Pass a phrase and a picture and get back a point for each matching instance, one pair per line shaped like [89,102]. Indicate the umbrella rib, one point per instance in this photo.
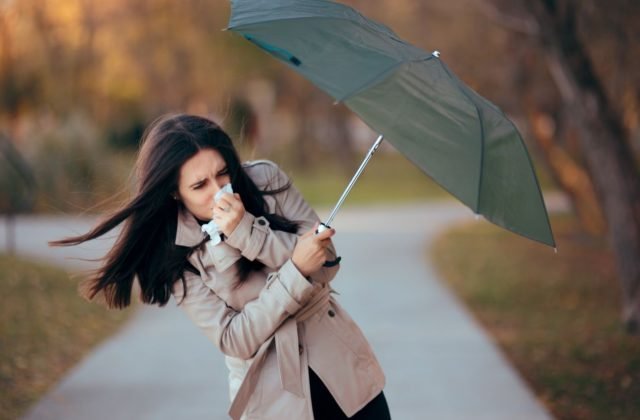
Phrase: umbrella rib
[482,136]
[374,80]
[379,78]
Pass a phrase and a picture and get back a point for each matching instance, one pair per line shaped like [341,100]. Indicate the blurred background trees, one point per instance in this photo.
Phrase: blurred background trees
[587,48]
[80,79]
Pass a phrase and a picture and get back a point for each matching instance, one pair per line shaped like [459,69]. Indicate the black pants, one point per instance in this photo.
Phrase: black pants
[326,408]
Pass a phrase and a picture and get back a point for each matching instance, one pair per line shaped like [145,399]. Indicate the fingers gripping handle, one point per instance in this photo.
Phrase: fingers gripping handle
[321,228]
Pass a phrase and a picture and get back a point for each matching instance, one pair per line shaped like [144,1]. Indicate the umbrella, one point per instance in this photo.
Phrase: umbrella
[411,98]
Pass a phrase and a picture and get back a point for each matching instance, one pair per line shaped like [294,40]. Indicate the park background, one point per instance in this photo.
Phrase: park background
[80,79]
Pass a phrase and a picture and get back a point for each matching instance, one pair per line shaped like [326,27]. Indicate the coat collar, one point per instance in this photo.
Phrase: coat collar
[188,232]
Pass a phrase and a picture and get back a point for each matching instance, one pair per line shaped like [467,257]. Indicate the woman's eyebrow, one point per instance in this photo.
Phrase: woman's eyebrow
[205,178]
[197,182]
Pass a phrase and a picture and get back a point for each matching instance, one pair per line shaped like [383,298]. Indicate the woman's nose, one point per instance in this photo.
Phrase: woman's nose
[216,186]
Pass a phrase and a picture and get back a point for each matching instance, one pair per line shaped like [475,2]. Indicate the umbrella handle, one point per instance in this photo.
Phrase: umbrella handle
[321,228]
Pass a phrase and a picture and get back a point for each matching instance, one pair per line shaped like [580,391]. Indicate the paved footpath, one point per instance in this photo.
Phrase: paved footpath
[438,361]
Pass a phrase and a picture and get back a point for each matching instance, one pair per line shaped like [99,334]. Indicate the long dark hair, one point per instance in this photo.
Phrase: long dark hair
[146,245]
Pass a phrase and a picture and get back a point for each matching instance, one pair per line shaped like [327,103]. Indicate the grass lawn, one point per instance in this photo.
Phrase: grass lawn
[388,178]
[556,316]
[45,328]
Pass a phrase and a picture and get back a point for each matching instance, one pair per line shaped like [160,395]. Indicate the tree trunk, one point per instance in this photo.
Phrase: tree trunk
[10,233]
[608,157]
[569,175]
[552,134]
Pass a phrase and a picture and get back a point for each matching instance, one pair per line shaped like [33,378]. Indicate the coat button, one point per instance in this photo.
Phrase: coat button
[300,349]
[331,313]
[261,222]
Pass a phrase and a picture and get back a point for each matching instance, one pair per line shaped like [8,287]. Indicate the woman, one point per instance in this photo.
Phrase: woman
[261,293]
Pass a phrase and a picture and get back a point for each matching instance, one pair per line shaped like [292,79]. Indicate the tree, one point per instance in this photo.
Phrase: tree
[17,185]
[584,85]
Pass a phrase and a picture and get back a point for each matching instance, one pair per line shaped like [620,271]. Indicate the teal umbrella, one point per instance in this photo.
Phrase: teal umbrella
[410,97]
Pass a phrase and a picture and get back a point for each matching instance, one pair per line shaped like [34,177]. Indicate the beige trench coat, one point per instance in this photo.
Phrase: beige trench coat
[277,324]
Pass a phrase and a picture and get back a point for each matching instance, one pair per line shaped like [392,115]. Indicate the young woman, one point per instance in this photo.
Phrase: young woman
[258,288]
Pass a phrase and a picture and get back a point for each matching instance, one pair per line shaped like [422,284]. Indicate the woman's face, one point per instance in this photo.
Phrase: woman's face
[201,177]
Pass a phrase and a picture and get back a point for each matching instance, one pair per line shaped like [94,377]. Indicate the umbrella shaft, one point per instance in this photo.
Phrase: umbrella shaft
[354,179]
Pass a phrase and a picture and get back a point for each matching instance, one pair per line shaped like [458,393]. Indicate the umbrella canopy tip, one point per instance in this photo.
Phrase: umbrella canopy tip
[436,53]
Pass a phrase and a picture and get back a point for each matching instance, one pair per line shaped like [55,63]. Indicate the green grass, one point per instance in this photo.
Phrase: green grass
[388,178]
[45,328]
[557,316]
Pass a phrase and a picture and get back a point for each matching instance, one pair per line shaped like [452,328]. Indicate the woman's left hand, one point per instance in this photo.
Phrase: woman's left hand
[227,212]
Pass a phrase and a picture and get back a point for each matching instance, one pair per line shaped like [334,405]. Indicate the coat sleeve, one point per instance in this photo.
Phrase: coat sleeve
[257,241]
[239,333]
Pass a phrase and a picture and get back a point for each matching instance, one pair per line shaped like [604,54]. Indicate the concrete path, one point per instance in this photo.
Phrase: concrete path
[438,361]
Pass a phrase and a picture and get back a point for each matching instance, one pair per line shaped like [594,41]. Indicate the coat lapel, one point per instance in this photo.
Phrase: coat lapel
[188,232]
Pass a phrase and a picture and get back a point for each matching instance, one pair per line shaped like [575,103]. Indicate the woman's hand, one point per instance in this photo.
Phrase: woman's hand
[310,252]
[227,212]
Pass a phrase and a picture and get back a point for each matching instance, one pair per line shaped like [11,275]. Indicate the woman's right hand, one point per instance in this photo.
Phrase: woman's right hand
[310,252]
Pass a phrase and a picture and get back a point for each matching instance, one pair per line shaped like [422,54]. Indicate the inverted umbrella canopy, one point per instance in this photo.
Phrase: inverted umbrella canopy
[457,137]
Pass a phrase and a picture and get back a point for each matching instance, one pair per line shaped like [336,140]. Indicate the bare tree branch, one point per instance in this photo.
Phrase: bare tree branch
[526,26]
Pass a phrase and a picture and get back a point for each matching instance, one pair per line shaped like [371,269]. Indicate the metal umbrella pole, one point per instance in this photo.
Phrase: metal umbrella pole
[326,225]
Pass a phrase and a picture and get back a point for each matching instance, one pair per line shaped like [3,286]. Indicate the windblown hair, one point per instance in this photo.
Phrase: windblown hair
[146,247]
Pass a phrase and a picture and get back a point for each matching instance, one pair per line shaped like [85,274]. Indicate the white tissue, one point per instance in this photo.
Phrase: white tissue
[212,227]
